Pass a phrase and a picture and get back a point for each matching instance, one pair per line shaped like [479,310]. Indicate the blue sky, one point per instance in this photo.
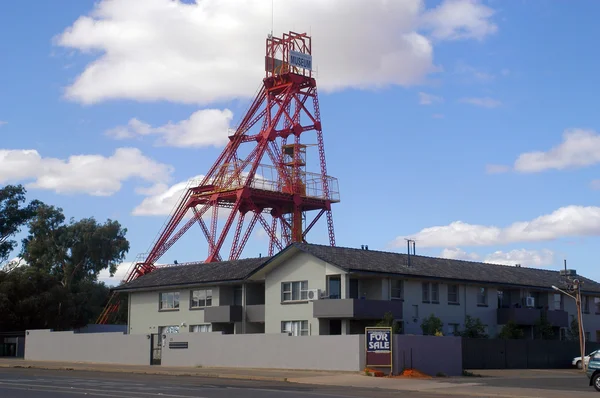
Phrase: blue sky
[467,125]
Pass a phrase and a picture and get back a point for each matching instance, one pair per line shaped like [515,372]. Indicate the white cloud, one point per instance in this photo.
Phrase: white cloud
[460,19]
[203,128]
[458,254]
[496,168]
[120,274]
[595,184]
[213,50]
[162,199]
[428,99]
[517,256]
[569,221]
[484,102]
[464,69]
[2,123]
[579,148]
[91,174]
[526,258]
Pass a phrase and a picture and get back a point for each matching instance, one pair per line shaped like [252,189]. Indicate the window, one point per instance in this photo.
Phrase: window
[334,289]
[453,329]
[169,301]
[201,298]
[168,329]
[482,298]
[597,304]
[435,292]
[558,301]
[294,291]
[453,294]
[433,289]
[425,292]
[586,304]
[296,328]
[501,299]
[207,328]
[353,288]
[397,289]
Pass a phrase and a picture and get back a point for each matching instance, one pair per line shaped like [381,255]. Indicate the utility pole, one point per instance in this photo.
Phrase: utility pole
[573,287]
[577,286]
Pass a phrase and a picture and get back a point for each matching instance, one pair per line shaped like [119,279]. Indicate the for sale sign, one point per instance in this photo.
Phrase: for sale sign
[378,346]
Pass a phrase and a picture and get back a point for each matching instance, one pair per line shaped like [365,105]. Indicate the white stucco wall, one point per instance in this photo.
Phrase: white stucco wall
[117,348]
[299,267]
[145,316]
[340,353]
[448,313]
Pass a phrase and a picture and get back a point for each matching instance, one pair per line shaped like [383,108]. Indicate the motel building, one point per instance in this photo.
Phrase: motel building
[309,289]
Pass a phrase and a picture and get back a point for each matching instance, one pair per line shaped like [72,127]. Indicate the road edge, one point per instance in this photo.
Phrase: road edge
[146,372]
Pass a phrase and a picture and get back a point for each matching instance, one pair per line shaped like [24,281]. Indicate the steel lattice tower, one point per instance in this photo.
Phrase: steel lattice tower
[268,183]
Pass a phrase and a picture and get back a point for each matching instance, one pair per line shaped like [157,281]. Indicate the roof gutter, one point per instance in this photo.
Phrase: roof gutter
[177,285]
[466,281]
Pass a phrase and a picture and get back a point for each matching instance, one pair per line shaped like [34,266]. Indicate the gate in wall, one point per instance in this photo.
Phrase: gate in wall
[155,349]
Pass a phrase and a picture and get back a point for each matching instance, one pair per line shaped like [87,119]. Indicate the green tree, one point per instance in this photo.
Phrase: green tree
[76,251]
[432,325]
[58,287]
[511,331]
[474,328]
[387,321]
[13,215]
[543,329]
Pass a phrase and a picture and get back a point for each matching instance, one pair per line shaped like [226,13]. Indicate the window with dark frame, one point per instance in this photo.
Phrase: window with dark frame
[201,298]
[453,294]
[169,301]
[425,287]
[397,289]
[431,292]
[482,296]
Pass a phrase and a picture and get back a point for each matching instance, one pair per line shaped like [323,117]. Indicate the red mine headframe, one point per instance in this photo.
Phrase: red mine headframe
[268,179]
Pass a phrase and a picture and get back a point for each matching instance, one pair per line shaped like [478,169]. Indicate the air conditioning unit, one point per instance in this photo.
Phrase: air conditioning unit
[530,301]
[314,294]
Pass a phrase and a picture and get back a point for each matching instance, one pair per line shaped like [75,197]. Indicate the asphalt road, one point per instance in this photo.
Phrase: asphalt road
[33,383]
[559,379]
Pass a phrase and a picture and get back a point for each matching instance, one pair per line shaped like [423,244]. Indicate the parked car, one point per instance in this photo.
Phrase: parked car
[577,360]
[593,370]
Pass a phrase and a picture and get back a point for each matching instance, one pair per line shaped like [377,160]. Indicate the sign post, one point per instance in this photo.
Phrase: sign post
[378,347]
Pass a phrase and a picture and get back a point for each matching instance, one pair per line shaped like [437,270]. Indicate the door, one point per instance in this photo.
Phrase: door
[155,349]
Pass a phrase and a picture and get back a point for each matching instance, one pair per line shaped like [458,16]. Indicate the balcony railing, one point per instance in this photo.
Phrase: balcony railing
[223,314]
[268,178]
[529,316]
[356,308]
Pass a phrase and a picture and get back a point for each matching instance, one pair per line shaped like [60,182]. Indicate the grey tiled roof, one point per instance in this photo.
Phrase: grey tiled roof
[360,260]
[196,273]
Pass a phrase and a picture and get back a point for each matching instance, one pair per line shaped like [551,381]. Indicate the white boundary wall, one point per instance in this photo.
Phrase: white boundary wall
[118,348]
[268,351]
[274,351]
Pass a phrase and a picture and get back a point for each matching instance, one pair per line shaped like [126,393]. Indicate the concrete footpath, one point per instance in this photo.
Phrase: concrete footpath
[456,386]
